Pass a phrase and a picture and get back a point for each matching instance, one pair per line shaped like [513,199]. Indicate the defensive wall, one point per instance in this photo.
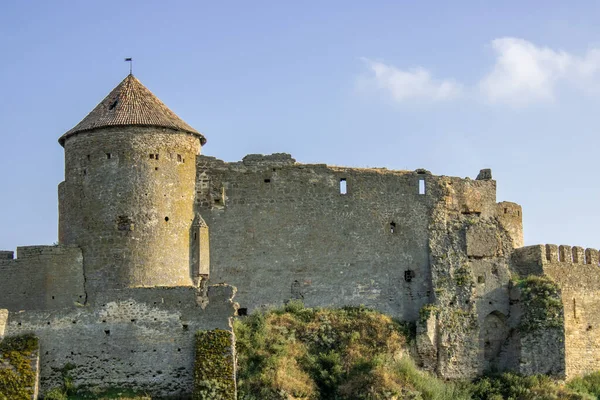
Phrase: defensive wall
[140,339]
[41,277]
[577,272]
[330,236]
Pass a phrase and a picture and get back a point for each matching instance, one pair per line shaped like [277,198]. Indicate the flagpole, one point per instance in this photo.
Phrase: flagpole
[130,60]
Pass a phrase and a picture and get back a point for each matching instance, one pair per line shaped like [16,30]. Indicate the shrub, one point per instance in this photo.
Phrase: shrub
[542,305]
[214,369]
[17,377]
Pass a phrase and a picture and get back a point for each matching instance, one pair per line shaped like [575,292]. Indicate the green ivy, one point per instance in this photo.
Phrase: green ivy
[426,311]
[17,377]
[542,305]
[214,369]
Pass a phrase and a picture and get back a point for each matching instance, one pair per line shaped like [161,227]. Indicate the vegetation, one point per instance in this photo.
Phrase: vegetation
[348,353]
[298,353]
[541,303]
[214,370]
[17,377]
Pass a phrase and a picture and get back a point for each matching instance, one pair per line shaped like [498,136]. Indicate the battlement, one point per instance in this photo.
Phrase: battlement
[543,254]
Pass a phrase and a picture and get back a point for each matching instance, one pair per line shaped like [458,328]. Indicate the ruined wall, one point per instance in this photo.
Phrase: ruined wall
[141,339]
[42,277]
[280,231]
[577,273]
[127,201]
[469,252]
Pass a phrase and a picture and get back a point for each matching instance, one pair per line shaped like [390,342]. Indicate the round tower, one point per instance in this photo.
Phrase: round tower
[128,195]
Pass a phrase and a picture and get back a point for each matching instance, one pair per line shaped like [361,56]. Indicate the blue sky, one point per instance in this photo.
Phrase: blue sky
[452,87]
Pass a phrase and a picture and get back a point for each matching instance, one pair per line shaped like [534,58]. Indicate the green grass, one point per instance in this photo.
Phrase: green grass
[348,353]
[298,353]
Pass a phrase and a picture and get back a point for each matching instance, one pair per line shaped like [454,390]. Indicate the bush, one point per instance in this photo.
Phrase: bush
[214,370]
[542,304]
[17,380]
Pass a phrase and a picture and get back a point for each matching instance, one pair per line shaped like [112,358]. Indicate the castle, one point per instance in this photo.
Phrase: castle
[155,240]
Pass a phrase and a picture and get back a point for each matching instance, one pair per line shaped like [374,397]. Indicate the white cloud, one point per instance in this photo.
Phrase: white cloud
[413,84]
[522,74]
[525,73]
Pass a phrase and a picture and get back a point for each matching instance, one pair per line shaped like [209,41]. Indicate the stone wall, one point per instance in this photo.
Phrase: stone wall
[469,251]
[128,202]
[281,230]
[42,277]
[577,272]
[139,339]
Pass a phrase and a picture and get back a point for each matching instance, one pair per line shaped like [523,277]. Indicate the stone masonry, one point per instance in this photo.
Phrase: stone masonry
[154,239]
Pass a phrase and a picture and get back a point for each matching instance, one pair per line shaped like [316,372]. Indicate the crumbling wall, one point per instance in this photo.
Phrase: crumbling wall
[576,271]
[281,230]
[469,249]
[138,339]
[42,277]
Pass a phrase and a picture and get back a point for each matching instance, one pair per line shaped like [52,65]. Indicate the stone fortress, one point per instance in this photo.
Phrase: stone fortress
[155,240]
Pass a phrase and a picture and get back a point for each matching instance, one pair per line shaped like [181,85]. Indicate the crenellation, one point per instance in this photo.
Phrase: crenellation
[578,255]
[592,257]
[552,253]
[7,255]
[565,253]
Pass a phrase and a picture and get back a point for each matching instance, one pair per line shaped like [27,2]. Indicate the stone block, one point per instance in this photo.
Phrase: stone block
[3,322]
[578,255]
[591,256]
[482,241]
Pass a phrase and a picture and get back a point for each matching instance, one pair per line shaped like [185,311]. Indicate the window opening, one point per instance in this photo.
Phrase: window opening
[179,159]
[267,180]
[392,227]
[421,186]
[409,275]
[108,155]
[343,186]
[241,312]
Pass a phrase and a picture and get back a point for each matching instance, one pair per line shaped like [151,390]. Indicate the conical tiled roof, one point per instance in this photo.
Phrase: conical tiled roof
[131,103]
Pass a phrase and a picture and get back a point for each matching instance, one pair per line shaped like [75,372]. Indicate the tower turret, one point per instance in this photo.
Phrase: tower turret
[128,195]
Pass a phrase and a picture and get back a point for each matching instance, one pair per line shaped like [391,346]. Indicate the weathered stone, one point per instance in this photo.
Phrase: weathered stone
[482,241]
[3,320]
[484,174]
[146,224]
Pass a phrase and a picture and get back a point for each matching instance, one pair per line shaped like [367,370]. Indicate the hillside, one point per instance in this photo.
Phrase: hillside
[354,353]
